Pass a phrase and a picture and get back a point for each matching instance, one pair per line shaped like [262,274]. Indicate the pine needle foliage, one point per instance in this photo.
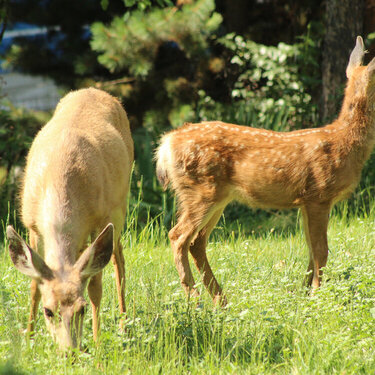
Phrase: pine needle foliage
[132,42]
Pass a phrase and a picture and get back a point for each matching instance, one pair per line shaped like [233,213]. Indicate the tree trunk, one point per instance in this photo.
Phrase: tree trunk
[4,7]
[236,15]
[344,21]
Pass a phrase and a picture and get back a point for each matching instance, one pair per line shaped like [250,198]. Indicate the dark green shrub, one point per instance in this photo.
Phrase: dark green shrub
[18,128]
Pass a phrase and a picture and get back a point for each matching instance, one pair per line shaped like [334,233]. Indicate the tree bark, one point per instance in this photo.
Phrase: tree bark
[344,21]
[4,6]
[236,15]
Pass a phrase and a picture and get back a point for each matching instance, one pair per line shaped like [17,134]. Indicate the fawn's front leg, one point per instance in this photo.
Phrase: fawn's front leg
[315,218]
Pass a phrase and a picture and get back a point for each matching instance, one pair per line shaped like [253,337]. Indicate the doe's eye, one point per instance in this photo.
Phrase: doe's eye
[48,313]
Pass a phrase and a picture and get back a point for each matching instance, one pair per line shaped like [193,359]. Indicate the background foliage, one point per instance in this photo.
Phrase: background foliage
[171,62]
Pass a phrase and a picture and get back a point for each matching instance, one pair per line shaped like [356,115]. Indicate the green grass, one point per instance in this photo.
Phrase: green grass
[271,325]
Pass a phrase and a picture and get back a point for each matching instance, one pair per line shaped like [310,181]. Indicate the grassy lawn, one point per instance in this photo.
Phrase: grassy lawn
[271,325]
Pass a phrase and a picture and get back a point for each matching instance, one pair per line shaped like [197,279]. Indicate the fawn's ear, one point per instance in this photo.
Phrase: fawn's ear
[25,259]
[356,56]
[97,255]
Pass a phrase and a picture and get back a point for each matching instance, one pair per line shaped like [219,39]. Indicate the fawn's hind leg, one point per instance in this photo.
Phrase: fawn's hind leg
[198,252]
[193,218]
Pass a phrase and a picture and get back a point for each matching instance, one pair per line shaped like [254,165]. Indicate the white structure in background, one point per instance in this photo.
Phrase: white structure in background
[31,92]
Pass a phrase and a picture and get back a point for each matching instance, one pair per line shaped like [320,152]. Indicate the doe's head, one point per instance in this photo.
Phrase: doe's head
[62,291]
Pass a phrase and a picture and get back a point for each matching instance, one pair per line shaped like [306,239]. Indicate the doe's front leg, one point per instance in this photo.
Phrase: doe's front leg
[35,299]
[95,291]
[35,294]
[119,265]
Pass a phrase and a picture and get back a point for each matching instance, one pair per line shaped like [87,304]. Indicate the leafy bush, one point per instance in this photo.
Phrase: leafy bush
[272,79]
[18,128]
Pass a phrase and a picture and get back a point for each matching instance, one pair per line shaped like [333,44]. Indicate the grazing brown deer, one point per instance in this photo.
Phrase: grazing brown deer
[212,163]
[75,184]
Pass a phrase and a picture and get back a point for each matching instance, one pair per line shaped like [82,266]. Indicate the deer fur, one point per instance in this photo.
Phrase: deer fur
[213,163]
[75,184]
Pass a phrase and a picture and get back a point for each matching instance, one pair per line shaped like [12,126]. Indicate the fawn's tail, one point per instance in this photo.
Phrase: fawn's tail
[164,161]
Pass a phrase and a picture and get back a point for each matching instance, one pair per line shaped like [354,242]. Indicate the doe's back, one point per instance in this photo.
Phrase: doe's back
[79,164]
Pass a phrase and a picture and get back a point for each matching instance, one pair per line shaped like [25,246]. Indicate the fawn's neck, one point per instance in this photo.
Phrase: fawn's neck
[355,128]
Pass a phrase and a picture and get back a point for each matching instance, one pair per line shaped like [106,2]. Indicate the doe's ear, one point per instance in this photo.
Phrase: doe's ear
[356,57]
[25,259]
[97,255]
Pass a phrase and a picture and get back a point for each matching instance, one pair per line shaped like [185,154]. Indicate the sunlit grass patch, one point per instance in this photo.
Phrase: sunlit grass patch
[271,325]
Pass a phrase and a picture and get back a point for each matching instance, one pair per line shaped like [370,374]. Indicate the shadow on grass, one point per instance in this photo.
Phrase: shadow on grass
[242,220]
[196,334]
[9,369]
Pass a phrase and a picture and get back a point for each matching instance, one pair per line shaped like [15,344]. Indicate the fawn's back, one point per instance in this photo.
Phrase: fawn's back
[262,168]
